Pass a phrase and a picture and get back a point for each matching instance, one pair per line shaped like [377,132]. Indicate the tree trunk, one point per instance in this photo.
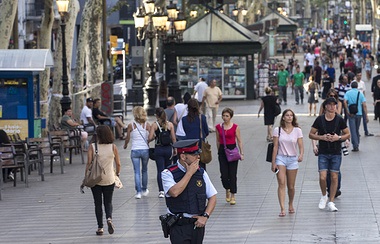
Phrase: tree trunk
[94,61]
[82,49]
[8,10]
[45,43]
[55,109]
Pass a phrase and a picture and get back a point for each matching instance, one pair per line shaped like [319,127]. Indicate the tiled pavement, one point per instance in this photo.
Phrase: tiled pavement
[54,211]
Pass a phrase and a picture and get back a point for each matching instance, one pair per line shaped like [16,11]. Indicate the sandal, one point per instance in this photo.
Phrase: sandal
[100,232]
[282,214]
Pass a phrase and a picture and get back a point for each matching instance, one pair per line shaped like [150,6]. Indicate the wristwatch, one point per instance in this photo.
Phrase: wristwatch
[340,138]
[206,215]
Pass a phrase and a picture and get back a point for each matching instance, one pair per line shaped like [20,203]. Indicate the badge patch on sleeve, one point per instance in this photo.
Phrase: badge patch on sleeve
[199,183]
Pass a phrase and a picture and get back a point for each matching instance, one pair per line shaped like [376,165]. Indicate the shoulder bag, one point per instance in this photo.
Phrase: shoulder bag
[206,155]
[231,154]
[94,173]
[270,148]
[353,108]
[277,109]
[151,149]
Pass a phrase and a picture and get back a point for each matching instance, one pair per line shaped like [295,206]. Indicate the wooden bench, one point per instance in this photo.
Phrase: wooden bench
[70,139]
[13,161]
[43,146]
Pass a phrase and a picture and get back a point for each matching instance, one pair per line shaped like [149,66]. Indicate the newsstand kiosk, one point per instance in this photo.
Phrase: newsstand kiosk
[20,90]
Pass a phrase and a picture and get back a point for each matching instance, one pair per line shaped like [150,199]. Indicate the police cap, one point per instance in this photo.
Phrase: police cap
[189,146]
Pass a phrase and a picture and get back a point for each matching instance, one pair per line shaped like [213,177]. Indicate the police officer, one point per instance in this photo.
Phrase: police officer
[187,187]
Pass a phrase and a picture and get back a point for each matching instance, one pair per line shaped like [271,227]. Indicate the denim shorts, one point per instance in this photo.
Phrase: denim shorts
[329,162]
[290,162]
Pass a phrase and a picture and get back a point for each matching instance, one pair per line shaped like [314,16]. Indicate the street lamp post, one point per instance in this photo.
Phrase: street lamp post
[146,23]
[65,100]
[153,23]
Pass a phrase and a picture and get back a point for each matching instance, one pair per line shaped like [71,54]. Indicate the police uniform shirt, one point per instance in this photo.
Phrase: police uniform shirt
[168,182]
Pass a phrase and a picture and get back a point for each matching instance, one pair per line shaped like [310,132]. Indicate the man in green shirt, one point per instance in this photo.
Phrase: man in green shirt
[298,78]
[283,78]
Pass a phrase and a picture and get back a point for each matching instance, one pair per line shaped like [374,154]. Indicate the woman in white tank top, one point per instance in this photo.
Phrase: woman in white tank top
[137,132]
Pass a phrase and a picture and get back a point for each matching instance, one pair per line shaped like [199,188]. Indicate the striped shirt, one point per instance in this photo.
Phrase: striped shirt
[341,90]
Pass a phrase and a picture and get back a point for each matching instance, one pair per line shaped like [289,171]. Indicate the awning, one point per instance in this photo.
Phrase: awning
[25,59]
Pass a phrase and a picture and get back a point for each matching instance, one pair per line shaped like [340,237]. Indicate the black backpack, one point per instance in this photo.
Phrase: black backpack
[164,138]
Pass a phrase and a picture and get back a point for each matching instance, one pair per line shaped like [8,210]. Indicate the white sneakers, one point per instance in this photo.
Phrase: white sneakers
[161,194]
[330,205]
[322,202]
[138,195]
[145,193]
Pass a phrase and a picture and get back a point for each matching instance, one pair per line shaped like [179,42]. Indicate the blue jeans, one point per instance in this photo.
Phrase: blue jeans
[354,123]
[282,93]
[143,156]
[299,93]
[329,162]
[365,123]
[163,155]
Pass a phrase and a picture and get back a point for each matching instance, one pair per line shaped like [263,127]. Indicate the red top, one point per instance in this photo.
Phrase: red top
[230,134]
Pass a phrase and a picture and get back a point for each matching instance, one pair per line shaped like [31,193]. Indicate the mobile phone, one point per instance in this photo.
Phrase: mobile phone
[276,170]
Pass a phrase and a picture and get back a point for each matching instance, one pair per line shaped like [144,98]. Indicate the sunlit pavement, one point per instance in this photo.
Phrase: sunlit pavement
[54,211]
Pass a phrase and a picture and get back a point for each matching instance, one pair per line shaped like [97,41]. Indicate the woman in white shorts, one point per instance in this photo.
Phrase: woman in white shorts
[285,160]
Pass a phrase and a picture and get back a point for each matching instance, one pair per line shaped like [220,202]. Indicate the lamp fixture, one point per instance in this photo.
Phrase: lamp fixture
[63,6]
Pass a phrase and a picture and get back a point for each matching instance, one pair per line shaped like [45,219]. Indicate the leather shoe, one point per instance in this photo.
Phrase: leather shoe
[355,149]
[369,134]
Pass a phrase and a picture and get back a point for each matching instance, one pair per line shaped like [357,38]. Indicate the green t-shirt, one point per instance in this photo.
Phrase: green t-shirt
[298,79]
[282,77]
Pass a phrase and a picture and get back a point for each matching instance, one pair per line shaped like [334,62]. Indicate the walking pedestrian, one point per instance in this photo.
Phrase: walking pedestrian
[352,97]
[286,138]
[180,112]
[268,103]
[313,88]
[330,130]
[199,88]
[138,132]
[362,89]
[283,79]
[107,154]
[212,97]
[298,78]
[194,124]
[228,170]
[162,131]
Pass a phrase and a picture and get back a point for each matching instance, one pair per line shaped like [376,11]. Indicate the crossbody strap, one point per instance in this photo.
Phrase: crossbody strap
[96,144]
[141,134]
[183,112]
[224,137]
[357,98]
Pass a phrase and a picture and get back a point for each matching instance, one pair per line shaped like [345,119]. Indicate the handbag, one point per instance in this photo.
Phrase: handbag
[277,109]
[206,155]
[316,96]
[353,108]
[152,156]
[270,148]
[94,173]
[151,149]
[231,154]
